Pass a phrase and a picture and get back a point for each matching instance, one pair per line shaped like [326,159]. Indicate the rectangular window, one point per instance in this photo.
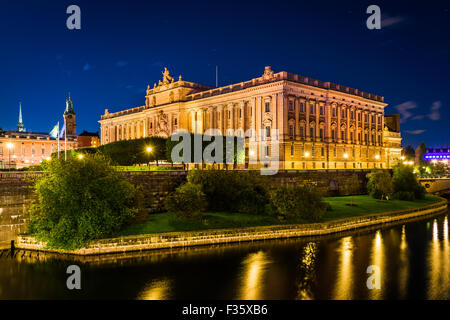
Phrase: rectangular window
[266,151]
[333,112]
[292,165]
[291,105]
[302,107]
[240,113]
[343,135]
[359,116]
[351,136]
[321,110]
[343,113]
[313,151]
[267,131]
[334,152]
[311,132]
[321,133]
[267,106]
[302,133]
[322,151]
[311,109]
[292,149]
[291,131]
[333,135]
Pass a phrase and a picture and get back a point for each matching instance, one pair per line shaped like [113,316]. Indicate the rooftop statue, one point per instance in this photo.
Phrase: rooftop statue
[166,77]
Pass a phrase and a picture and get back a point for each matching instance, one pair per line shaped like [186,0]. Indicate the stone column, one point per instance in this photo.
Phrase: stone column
[297,117]
[307,136]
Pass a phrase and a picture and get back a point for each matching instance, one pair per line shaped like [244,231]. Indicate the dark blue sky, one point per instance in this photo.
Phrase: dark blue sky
[123,46]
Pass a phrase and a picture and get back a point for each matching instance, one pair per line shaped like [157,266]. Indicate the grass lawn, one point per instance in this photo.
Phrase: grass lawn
[167,222]
[366,204]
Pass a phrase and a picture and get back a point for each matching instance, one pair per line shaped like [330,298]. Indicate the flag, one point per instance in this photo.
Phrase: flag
[62,133]
[54,132]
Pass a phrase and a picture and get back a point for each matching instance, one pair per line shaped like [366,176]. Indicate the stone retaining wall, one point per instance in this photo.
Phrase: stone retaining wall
[208,237]
[15,199]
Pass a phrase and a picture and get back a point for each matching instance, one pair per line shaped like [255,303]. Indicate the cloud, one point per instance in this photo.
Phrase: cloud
[419,131]
[419,117]
[87,67]
[387,21]
[121,64]
[434,111]
[403,110]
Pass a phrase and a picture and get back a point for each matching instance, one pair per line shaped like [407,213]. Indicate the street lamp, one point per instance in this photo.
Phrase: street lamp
[377,156]
[345,155]
[10,146]
[80,156]
[306,154]
[149,151]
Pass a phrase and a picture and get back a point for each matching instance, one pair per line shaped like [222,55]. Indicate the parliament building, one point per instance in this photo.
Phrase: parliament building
[320,125]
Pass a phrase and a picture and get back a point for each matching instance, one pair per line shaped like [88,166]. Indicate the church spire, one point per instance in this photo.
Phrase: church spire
[69,106]
[20,124]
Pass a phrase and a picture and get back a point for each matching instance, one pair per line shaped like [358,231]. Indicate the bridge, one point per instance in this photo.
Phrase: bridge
[439,186]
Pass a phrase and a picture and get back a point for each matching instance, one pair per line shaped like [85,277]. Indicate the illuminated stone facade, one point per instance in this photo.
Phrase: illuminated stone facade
[321,125]
[19,148]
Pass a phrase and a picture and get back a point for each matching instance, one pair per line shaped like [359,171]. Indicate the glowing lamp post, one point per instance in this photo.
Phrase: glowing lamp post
[80,156]
[149,151]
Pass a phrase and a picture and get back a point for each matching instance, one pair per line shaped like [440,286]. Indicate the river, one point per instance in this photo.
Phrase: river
[411,259]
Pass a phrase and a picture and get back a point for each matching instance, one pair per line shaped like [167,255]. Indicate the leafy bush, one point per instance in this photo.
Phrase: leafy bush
[187,201]
[379,185]
[405,184]
[232,191]
[130,152]
[299,202]
[81,200]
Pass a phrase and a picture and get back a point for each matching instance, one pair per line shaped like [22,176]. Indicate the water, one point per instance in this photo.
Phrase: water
[413,260]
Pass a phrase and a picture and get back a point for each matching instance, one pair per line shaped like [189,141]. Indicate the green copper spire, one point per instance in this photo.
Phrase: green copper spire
[20,124]
[69,106]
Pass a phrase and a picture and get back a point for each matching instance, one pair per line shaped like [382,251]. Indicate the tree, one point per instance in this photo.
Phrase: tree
[405,184]
[187,201]
[353,186]
[422,149]
[298,202]
[79,200]
[409,153]
[379,184]
[131,152]
[232,191]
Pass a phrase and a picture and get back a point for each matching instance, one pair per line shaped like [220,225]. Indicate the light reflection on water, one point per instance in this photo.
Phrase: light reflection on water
[414,262]
[344,280]
[254,268]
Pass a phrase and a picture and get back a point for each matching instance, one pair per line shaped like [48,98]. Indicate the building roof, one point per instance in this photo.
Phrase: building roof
[88,134]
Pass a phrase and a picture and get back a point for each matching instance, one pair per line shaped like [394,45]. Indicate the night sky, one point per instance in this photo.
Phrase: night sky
[123,46]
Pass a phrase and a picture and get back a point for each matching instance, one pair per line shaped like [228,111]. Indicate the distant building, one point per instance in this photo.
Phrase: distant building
[436,155]
[392,139]
[20,148]
[88,139]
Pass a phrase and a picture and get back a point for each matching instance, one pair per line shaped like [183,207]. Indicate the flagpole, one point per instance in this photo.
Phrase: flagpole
[57,136]
[65,141]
